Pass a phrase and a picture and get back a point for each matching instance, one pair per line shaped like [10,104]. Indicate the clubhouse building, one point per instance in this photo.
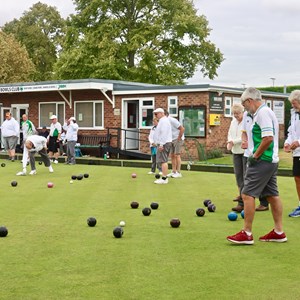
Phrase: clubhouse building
[124,110]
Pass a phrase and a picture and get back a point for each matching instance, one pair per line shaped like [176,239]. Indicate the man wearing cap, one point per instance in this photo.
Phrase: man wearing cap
[54,138]
[71,128]
[163,140]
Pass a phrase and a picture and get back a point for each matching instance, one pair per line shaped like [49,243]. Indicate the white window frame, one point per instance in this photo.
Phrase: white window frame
[94,102]
[268,103]
[175,105]
[55,113]
[227,106]
[142,106]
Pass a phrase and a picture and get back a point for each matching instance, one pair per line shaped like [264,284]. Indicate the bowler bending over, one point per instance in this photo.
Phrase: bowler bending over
[35,144]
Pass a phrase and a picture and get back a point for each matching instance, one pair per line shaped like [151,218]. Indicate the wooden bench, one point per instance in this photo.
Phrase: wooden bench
[92,144]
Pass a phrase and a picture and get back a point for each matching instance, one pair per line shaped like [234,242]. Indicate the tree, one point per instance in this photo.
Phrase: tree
[40,30]
[16,65]
[154,41]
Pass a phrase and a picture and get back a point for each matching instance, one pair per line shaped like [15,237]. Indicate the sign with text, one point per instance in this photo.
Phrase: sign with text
[278,108]
[216,103]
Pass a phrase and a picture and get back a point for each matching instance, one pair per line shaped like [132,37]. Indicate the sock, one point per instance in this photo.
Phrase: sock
[163,177]
[248,233]
[278,232]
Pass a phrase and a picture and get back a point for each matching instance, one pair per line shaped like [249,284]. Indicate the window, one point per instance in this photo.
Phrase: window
[229,101]
[89,114]
[228,104]
[173,106]
[193,119]
[147,107]
[48,109]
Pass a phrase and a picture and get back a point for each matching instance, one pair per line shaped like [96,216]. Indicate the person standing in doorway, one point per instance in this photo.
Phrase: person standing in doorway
[163,140]
[54,138]
[10,130]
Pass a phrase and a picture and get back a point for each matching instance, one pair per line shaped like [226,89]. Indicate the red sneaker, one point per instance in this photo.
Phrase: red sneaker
[241,238]
[272,236]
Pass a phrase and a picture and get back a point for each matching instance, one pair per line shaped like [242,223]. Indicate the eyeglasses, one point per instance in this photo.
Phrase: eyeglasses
[243,102]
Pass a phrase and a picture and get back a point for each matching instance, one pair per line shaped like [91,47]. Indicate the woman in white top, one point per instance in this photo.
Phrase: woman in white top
[234,143]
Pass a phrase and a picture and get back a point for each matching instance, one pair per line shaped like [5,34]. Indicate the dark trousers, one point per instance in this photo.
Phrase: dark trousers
[44,155]
[154,164]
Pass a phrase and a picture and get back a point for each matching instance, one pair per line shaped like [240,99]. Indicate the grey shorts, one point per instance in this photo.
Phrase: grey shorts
[261,180]
[176,146]
[10,142]
[162,156]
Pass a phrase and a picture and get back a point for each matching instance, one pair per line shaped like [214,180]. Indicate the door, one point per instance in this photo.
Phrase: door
[18,110]
[131,125]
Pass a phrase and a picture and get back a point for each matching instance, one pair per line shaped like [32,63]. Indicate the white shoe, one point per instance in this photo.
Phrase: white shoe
[50,169]
[21,174]
[33,172]
[171,174]
[161,181]
[150,173]
[177,175]
[160,173]
[56,161]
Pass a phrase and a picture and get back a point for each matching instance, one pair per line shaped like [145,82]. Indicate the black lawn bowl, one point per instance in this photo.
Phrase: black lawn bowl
[134,204]
[40,162]
[146,211]
[14,183]
[86,175]
[91,221]
[157,176]
[74,177]
[3,165]
[175,222]
[118,232]
[211,207]
[200,212]
[154,205]
[206,202]
[3,231]
[80,177]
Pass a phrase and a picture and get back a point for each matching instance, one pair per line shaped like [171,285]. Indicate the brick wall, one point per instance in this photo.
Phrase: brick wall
[216,136]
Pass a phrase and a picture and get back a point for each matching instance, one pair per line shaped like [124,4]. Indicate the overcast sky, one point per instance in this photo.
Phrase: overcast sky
[260,39]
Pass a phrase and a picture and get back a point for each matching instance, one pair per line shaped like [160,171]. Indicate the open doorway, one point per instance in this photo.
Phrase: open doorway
[131,125]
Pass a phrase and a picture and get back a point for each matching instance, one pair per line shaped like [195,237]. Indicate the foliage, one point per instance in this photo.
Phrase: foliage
[287,103]
[40,30]
[161,41]
[16,65]
[214,153]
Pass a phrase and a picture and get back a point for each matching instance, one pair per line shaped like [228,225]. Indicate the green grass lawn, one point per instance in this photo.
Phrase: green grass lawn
[51,253]
[285,160]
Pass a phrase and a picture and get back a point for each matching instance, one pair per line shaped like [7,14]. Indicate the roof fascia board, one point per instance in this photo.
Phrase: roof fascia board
[55,87]
[190,90]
